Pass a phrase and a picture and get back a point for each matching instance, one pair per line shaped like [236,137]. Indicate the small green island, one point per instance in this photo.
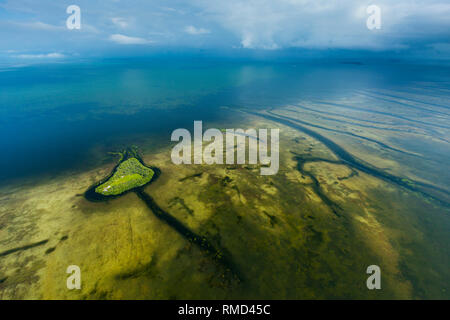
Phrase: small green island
[129,174]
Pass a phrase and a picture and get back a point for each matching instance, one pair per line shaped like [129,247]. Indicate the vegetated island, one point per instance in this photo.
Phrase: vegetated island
[128,175]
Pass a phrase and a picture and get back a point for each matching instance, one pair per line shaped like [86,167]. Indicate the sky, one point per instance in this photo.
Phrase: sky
[31,29]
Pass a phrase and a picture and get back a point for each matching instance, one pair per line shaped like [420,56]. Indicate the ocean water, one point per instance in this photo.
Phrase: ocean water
[51,115]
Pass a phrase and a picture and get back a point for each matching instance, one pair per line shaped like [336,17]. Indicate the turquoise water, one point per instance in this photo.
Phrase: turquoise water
[52,115]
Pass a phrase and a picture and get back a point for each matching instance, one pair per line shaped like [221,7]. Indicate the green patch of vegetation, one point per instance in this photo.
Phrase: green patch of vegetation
[129,174]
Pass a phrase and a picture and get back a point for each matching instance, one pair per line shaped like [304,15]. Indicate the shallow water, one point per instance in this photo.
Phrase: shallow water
[363,179]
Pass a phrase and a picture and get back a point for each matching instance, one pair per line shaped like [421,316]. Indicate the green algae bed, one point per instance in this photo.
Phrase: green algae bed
[129,174]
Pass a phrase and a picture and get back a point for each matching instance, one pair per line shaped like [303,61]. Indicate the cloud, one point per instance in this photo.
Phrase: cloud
[122,39]
[53,55]
[324,24]
[419,26]
[38,25]
[196,31]
[120,22]
[42,26]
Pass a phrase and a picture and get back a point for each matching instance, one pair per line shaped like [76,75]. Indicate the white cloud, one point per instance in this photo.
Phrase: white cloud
[323,24]
[122,39]
[38,25]
[258,24]
[42,26]
[53,55]
[196,31]
[120,22]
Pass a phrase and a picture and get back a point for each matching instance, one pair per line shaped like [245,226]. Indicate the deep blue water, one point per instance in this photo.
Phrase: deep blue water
[52,115]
